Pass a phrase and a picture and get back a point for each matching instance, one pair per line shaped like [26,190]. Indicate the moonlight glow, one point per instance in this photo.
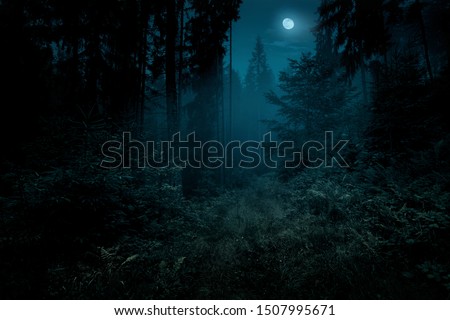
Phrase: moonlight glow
[288,24]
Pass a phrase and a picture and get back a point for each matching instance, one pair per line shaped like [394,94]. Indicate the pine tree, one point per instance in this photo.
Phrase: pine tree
[259,77]
[258,81]
[415,14]
[206,34]
[360,31]
[314,100]
[171,70]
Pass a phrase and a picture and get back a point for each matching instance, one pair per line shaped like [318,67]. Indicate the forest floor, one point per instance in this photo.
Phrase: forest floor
[83,233]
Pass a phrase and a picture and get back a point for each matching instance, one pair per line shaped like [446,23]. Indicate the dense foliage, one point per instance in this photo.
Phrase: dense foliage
[78,73]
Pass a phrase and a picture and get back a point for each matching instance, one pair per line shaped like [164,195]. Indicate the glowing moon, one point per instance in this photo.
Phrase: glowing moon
[288,23]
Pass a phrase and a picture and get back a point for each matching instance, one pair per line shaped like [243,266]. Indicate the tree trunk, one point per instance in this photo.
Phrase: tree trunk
[423,34]
[364,79]
[230,124]
[181,62]
[171,79]
[142,71]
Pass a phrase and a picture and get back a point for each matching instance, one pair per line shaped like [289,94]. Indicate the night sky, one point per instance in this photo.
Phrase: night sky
[264,18]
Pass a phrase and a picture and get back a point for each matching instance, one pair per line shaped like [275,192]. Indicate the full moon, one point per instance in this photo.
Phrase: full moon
[288,23]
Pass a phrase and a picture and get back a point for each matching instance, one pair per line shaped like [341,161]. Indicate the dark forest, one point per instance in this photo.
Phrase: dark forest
[139,163]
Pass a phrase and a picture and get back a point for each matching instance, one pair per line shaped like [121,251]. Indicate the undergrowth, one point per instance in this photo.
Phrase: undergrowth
[80,232]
